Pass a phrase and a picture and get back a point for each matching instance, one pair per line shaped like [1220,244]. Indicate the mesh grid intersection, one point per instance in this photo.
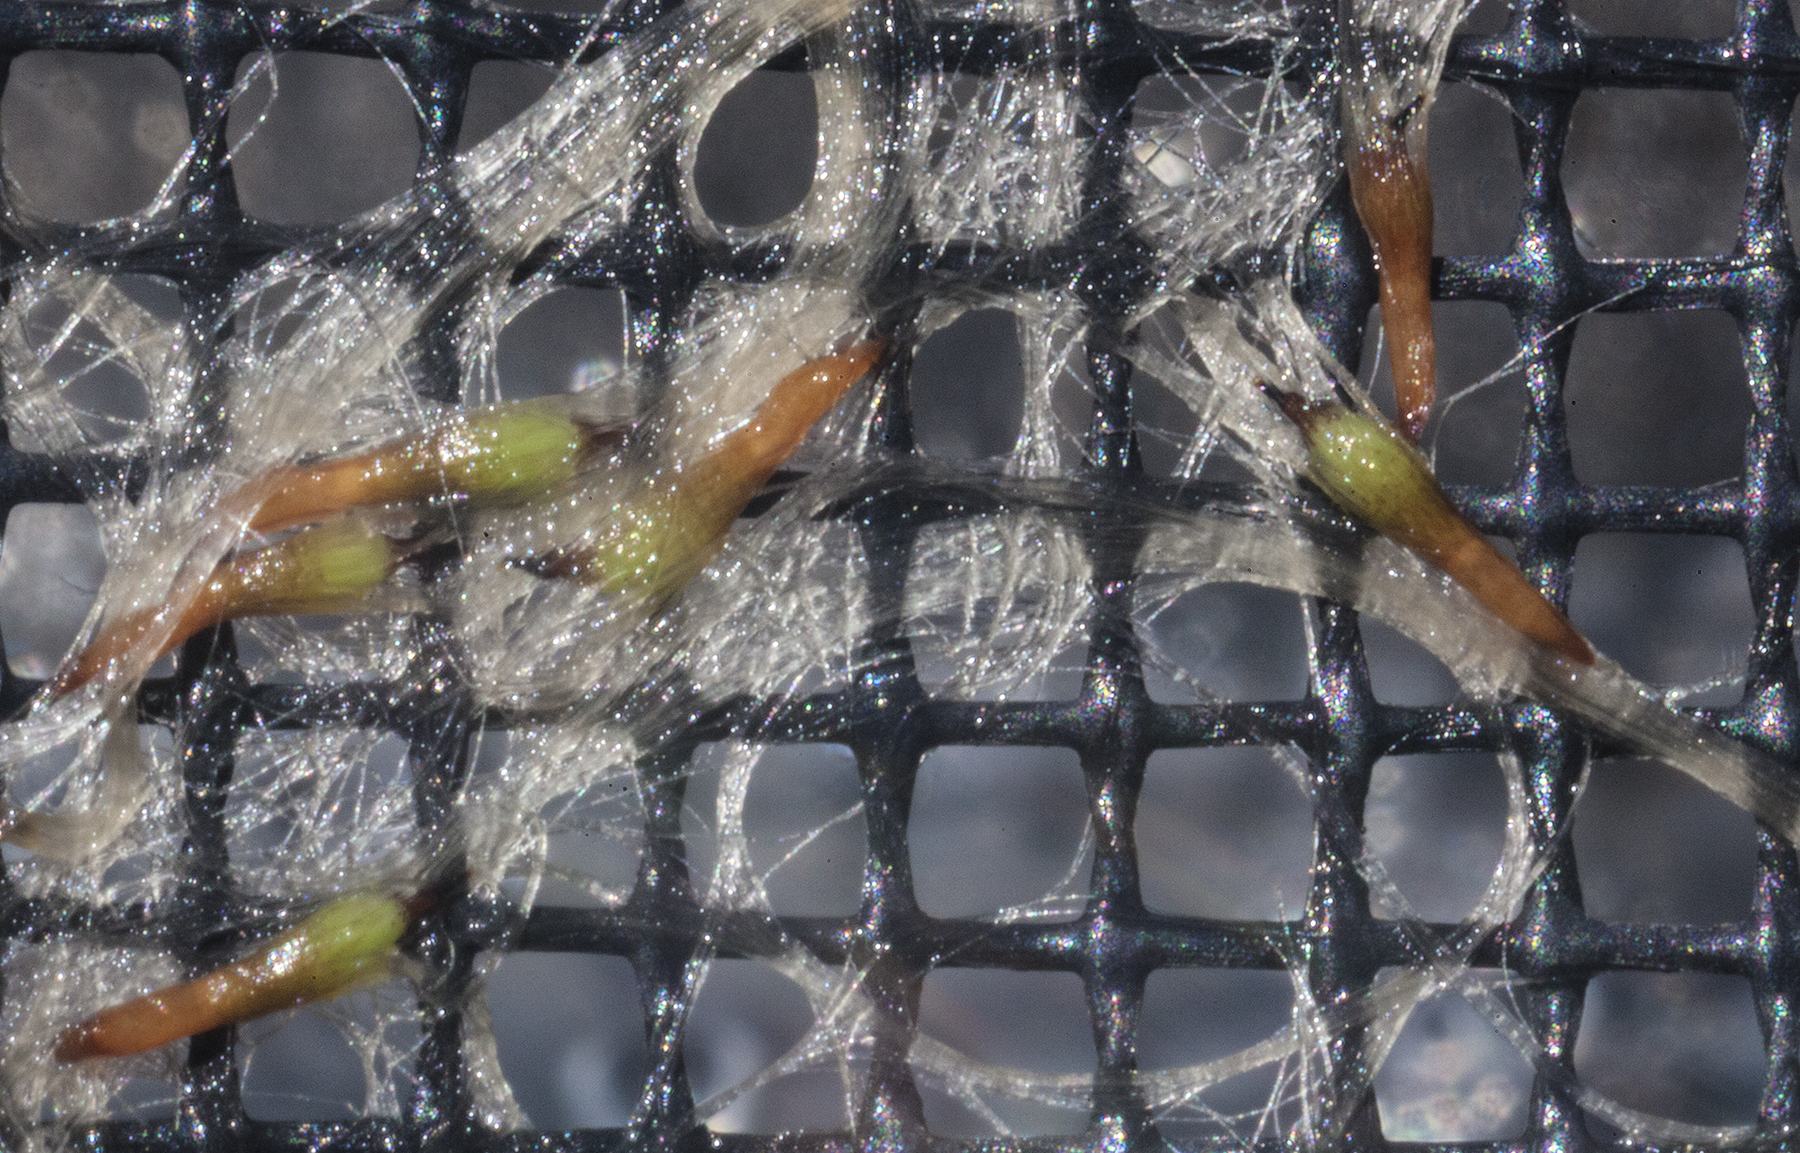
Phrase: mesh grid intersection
[1542,63]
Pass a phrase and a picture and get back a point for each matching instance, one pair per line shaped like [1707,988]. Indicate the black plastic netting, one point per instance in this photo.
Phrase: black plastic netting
[1113,940]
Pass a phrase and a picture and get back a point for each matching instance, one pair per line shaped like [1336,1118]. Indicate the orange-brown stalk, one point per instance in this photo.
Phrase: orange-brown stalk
[1391,188]
[749,456]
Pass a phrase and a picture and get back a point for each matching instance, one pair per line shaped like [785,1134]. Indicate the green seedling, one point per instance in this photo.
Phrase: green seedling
[330,568]
[663,535]
[348,943]
[1372,473]
[499,455]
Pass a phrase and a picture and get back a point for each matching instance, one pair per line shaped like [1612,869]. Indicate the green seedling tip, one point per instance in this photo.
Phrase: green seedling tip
[1368,469]
[336,563]
[513,452]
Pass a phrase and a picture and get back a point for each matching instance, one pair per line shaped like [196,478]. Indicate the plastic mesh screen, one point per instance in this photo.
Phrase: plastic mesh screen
[1114,944]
